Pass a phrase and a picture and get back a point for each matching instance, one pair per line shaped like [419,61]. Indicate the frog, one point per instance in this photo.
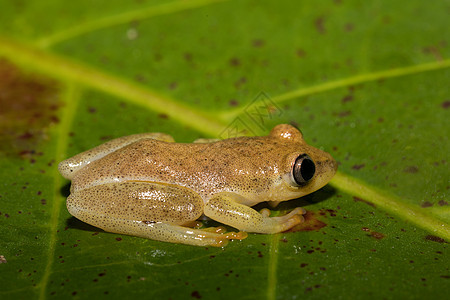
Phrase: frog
[150,186]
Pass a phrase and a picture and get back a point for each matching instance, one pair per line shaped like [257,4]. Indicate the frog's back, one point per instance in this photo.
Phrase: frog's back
[200,166]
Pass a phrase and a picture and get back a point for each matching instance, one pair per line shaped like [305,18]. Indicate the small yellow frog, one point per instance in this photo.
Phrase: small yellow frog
[149,186]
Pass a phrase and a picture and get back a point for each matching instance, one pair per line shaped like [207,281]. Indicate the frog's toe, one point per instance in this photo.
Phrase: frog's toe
[291,219]
[224,238]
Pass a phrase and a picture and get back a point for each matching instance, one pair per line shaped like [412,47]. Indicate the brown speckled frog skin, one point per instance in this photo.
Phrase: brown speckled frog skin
[149,186]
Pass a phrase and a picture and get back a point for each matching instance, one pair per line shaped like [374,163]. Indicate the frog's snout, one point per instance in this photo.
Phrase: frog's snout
[334,165]
[326,167]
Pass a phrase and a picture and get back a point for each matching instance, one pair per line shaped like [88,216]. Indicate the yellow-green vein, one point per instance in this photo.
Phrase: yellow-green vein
[272,268]
[127,17]
[71,98]
[66,70]
[392,204]
[345,82]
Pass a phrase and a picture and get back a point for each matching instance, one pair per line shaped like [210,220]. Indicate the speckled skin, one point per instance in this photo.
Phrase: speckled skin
[147,185]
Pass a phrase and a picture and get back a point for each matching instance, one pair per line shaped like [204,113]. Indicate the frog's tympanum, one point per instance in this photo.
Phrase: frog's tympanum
[149,186]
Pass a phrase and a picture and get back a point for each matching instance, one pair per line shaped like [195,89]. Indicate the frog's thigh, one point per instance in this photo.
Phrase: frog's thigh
[145,209]
[224,207]
[70,166]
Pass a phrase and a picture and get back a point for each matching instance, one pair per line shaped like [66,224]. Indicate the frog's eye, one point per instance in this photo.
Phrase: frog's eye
[304,169]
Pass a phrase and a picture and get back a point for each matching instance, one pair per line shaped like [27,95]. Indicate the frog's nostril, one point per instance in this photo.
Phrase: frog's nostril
[304,169]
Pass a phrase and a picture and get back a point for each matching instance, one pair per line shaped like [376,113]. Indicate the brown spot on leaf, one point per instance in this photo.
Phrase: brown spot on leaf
[442,203]
[435,51]
[347,98]
[233,103]
[411,169]
[349,27]
[377,235]
[358,199]
[434,238]
[311,223]
[357,167]
[445,104]
[188,57]
[427,204]
[258,43]
[319,24]
[173,85]
[374,234]
[344,113]
[29,104]
[301,53]
[235,62]
[241,81]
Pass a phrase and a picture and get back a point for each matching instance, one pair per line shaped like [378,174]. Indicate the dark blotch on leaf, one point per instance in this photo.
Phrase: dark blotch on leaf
[235,62]
[358,167]
[233,103]
[434,238]
[442,203]
[319,24]
[347,98]
[258,43]
[301,53]
[445,104]
[411,169]
[377,235]
[427,204]
[311,223]
[196,294]
[28,106]
[357,199]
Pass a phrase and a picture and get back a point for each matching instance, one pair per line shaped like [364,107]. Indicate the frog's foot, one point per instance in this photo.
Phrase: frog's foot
[213,236]
[225,209]
[289,220]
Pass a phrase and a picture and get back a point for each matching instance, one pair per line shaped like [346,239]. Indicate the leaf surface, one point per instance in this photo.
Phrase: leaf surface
[367,82]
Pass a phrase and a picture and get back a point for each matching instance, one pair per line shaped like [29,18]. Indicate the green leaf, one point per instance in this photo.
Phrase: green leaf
[367,82]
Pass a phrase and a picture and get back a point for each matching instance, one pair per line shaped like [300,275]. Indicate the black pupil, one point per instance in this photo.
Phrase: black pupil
[307,169]
[304,169]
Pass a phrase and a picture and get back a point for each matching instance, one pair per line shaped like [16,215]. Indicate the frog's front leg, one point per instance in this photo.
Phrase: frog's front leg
[70,166]
[225,208]
[146,209]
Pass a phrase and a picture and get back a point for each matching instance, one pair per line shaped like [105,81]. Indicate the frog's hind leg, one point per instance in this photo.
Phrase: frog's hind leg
[168,232]
[146,209]
[70,166]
